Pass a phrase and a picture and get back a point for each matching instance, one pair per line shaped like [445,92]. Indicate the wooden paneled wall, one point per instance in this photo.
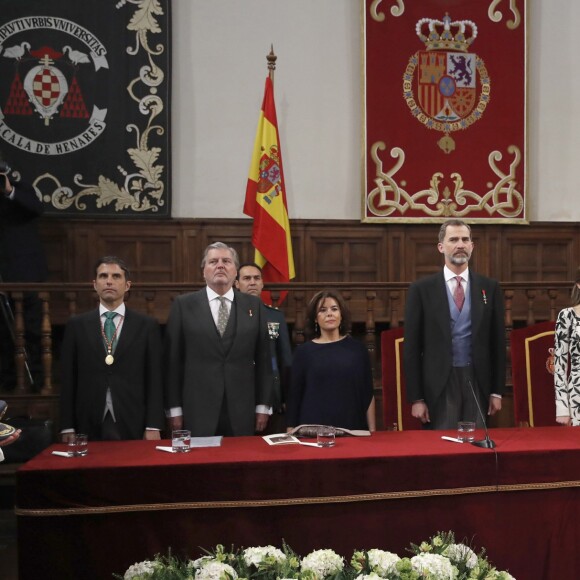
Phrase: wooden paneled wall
[166,251]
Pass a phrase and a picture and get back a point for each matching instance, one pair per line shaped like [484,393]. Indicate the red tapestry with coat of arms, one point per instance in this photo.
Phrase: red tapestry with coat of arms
[444,92]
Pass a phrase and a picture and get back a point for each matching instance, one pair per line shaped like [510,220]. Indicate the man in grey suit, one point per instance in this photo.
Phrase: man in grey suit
[250,281]
[454,338]
[112,365]
[219,373]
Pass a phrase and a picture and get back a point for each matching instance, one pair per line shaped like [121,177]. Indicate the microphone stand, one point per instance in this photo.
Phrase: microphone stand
[487,442]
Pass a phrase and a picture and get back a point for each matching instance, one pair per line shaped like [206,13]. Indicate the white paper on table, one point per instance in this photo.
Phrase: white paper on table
[206,441]
[63,453]
[454,439]
[196,442]
[280,439]
[285,439]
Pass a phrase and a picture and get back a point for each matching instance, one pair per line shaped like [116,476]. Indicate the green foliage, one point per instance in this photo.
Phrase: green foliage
[270,563]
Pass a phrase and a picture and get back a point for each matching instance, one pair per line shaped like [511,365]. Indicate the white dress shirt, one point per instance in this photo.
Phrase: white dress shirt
[450,279]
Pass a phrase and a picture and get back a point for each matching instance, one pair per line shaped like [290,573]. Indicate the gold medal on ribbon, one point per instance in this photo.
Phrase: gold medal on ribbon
[109,359]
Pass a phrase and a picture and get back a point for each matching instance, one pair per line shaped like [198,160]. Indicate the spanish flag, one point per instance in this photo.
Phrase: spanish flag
[266,199]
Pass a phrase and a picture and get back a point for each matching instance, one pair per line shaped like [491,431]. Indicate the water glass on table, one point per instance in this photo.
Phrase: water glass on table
[78,445]
[466,431]
[181,440]
[325,436]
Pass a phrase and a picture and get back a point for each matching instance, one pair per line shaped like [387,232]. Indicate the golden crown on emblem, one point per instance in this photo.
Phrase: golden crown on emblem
[446,35]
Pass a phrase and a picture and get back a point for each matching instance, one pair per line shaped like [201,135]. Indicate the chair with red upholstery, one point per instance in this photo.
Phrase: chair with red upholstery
[396,410]
[532,351]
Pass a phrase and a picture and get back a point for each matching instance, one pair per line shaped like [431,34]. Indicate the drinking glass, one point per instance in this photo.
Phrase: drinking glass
[78,445]
[466,431]
[325,436]
[181,441]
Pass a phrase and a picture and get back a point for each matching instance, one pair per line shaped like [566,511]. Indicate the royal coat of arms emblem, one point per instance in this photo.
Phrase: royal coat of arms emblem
[446,87]
[269,184]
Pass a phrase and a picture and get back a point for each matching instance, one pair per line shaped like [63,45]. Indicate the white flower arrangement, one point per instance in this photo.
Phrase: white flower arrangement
[213,570]
[322,563]
[200,562]
[382,563]
[263,556]
[461,553]
[371,576]
[439,558]
[434,566]
[140,570]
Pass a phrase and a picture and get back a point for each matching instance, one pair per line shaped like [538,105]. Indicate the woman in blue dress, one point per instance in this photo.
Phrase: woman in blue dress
[331,380]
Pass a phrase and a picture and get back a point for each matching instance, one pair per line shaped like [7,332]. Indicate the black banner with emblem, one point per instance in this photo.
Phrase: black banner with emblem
[84,104]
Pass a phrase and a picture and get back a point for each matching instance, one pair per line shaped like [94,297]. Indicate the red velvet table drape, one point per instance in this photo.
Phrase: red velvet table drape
[91,516]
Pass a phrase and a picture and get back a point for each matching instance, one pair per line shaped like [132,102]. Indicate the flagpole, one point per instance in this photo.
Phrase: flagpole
[265,199]
[271,58]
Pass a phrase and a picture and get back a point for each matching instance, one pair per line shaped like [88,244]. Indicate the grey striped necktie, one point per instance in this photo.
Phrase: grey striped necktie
[223,316]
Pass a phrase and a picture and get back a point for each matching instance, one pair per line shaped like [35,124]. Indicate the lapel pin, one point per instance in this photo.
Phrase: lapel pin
[250,312]
[484,296]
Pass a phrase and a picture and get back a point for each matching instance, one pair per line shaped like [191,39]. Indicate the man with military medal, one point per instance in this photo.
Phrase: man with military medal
[111,365]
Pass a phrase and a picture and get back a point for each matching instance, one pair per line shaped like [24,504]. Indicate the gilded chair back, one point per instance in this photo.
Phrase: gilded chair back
[532,350]
[396,410]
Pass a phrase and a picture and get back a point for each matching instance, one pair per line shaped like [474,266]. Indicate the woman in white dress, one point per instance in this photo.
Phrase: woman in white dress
[567,360]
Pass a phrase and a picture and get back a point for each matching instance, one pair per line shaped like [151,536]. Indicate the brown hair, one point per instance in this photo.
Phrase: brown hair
[314,307]
[452,222]
[113,260]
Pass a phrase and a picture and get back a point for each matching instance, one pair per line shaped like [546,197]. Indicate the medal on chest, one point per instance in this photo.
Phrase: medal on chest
[110,359]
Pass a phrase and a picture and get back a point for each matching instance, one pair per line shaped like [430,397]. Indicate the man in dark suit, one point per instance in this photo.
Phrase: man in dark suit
[219,376]
[250,281]
[454,338]
[22,259]
[112,386]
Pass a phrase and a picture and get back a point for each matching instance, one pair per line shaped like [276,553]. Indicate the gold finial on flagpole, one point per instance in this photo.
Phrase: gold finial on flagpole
[271,58]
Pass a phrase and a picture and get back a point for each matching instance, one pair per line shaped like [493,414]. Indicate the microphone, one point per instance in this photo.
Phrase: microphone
[487,442]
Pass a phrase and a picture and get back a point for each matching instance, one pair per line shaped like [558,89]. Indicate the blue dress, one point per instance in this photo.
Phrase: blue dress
[331,384]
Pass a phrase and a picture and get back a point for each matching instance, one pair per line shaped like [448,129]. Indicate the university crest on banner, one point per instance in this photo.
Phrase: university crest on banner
[83,105]
[437,145]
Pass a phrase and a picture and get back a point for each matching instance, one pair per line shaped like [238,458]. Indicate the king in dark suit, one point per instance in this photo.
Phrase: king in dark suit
[112,370]
[454,338]
[217,356]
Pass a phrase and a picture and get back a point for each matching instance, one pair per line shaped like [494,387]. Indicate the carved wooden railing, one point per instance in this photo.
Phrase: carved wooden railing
[374,306]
